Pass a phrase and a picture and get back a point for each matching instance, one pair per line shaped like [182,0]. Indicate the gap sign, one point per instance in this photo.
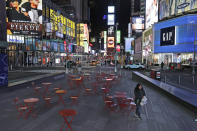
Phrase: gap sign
[167,36]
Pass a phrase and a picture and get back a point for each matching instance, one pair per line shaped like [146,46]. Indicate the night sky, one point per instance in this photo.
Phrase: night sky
[97,13]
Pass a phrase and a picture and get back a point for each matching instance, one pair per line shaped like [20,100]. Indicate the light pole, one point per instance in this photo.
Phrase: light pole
[115,70]
[194,59]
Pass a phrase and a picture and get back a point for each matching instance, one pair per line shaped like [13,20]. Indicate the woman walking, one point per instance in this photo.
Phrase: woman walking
[139,94]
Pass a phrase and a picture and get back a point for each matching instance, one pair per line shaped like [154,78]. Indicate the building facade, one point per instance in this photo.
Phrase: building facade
[43,40]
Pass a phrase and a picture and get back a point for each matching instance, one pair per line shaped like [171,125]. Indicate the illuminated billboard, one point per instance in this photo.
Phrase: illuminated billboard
[169,8]
[151,12]
[15,39]
[182,38]
[24,16]
[111,9]
[128,43]
[81,29]
[118,33]
[105,37]
[110,42]
[137,23]
[110,31]
[110,19]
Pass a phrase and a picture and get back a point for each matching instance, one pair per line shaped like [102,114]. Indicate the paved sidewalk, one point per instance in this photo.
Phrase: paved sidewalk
[160,114]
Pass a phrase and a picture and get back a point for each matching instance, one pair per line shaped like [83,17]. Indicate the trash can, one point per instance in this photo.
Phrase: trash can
[155,74]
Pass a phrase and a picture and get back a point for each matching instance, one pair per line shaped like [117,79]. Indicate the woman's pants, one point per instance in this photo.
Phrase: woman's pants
[138,109]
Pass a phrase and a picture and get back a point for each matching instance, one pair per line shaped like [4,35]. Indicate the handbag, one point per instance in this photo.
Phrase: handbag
[143,101]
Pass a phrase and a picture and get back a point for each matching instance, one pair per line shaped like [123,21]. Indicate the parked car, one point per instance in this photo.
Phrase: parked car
[134,66]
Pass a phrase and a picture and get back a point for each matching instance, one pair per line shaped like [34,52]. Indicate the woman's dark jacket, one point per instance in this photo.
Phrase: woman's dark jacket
[139,93]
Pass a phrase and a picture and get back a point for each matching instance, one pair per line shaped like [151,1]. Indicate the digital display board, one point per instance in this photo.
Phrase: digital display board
[151,12]
[128,43]
[105,37]
[169,8]
[110,42]
[24,16]
[118,33]
[111,9]
[137,23]
[110,19]
[15,39]
[111,31]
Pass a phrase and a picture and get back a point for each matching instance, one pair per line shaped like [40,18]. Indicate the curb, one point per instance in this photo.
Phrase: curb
[39,79]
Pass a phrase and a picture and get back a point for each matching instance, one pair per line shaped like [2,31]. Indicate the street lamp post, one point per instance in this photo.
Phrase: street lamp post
[115,70]
[194,59]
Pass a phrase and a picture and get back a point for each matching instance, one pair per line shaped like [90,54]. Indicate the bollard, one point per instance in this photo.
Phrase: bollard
[193,79]
[11,67]
[179,79]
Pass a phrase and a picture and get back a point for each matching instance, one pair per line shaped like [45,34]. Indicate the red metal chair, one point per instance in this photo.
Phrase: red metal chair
[105,91]
[109,103]
[21,108]
[37,90]
[95,86]
[75,98]
[47,100]
[66,114]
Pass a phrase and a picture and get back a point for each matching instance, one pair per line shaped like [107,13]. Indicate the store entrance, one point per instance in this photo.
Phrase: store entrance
[168,59]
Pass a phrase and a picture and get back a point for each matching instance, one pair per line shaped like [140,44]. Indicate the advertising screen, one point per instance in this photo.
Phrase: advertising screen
[118,33]
[111,31]
[167,36]
[70,48]
[111,19]
[29,43]
[105,37]
[15,39]
[184,36]
[24,16]
[48,44]
[169,8]
[166,8]
[62,47]
[118,48]
[111,9]
[110,42]
[185,5]
[151,12]
[2,24]
[38,45]
[55,46]
[138,45]
[44,48]
[128,42]
[82,32]
[137,23]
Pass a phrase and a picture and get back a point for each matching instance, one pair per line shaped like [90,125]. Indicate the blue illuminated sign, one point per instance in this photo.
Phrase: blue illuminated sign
[185,28]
